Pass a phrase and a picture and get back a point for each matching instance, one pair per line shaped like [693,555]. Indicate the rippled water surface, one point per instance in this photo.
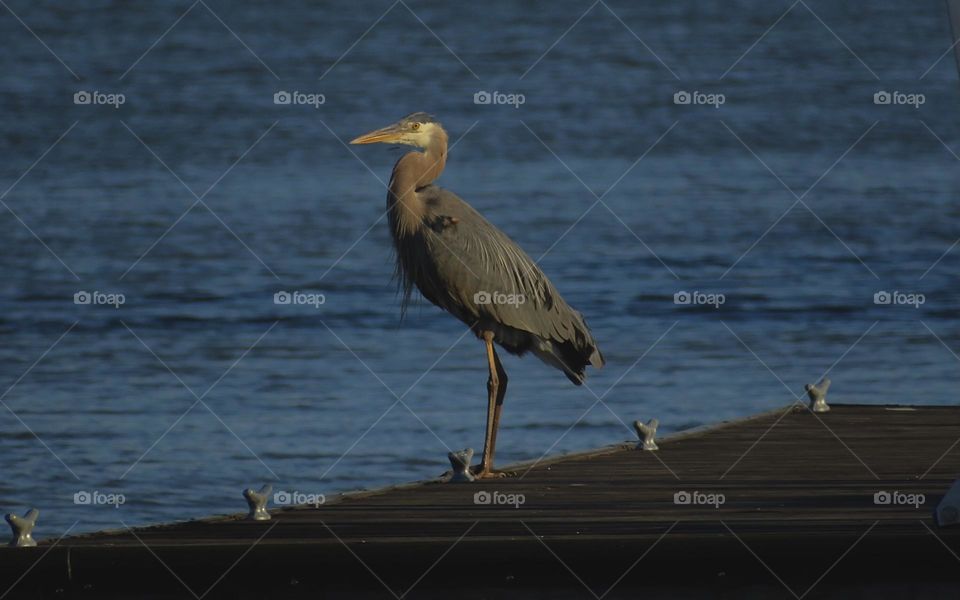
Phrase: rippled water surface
[198,198]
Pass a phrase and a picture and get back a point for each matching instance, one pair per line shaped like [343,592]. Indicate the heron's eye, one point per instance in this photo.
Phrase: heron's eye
[415,126]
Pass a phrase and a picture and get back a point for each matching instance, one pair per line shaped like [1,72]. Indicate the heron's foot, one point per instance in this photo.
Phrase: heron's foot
[481,472]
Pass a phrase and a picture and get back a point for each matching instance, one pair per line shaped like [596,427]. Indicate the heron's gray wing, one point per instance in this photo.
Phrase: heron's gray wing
[482,276]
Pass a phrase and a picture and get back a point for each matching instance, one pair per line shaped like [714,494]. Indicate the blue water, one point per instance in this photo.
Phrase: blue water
[306,398]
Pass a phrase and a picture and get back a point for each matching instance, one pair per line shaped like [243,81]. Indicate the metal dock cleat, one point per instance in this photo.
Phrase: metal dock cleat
[257,501]
[460,461]
[948,511]
[647,433]
[818,395]
[23,528]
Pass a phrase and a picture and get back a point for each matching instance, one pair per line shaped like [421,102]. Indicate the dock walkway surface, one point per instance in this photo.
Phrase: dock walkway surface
[786,504]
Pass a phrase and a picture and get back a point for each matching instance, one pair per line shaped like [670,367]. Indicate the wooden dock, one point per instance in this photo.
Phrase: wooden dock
[782,505]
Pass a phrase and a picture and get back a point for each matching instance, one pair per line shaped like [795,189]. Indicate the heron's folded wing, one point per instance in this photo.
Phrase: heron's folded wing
[485,276]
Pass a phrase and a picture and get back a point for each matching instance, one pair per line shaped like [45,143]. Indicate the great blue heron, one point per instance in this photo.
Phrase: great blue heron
[471,269]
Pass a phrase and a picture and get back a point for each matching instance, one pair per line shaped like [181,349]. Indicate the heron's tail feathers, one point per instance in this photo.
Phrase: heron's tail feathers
[596,359]
[569,359]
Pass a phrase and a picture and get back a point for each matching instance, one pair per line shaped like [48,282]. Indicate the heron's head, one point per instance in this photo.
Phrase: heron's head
[418,129]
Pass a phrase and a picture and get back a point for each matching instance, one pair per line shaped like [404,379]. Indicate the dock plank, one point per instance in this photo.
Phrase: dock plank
[798,491]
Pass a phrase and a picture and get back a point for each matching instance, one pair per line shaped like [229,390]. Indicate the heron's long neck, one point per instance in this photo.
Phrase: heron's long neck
[413,171]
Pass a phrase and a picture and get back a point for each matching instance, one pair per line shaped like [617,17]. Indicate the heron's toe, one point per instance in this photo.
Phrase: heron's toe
[493,474]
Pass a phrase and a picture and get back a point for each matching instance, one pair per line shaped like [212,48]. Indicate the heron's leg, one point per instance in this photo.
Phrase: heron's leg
[501,394]
[493,387]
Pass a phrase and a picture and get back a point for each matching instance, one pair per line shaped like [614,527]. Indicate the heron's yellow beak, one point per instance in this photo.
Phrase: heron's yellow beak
[386,134]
